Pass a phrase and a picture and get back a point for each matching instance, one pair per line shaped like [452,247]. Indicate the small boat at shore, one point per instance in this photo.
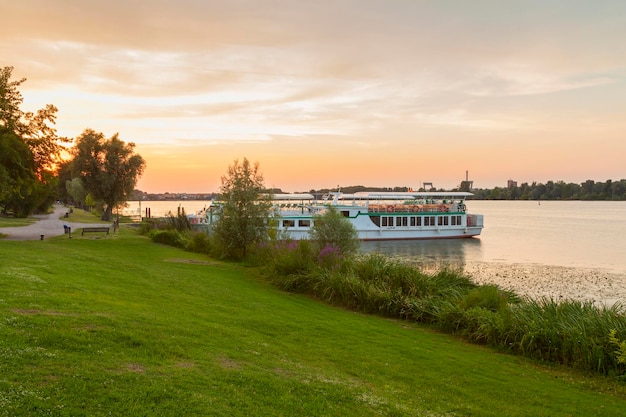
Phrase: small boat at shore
[376,215]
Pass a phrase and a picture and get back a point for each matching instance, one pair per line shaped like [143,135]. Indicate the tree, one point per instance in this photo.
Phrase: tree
[332,229]
[10,101]
[17,178]
[243,218]
[35,129]
[40,154]
[75,189]
[108,168]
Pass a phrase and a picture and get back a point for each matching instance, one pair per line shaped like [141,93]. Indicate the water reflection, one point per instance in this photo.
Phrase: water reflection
[429,253]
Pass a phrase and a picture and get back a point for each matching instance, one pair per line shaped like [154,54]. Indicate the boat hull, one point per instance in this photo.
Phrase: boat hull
[367,229]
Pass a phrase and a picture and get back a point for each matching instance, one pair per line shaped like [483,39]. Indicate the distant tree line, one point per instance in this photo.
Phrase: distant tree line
[560,190]
[551,190]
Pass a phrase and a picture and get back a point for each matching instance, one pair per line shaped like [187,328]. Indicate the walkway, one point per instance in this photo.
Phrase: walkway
[47,225]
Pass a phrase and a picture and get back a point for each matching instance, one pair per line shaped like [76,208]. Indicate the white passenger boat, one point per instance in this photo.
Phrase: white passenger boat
[379,215]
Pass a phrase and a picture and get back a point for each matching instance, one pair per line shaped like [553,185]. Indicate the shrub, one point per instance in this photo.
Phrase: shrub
[199,242]
[147,226]
[332,229]
[169,237]
[180,221]
[291,257]
[489,297]
[329,257]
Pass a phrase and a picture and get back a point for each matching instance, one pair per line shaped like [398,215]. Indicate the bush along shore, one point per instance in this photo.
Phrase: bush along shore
[577,334]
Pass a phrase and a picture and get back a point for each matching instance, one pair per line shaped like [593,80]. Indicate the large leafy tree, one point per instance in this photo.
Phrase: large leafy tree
[40,154]
[243,218]
[108,168]
[17,177]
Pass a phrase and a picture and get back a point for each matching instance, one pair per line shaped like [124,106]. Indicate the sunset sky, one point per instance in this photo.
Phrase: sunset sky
[334,92]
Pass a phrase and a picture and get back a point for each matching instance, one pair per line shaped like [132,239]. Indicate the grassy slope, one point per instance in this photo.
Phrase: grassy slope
[118,325]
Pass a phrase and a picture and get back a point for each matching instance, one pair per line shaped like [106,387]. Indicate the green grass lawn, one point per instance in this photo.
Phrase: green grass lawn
[16,222]
[121,326]
[83,216]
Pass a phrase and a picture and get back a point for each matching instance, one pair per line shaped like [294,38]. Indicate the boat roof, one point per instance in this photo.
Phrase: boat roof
[292,196]
[364,195]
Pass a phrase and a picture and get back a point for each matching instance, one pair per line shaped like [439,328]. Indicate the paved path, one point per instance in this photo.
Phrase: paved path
[47,225]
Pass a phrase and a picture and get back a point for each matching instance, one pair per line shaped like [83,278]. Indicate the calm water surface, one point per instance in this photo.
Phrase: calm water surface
[582,234]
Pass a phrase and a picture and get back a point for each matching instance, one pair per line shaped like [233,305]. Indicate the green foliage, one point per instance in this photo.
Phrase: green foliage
[332,229]
[17,178]
[179,222]
[108,168]
[168,237]
[29,150]
[243,217]
[489,297]
[75,189]
[559,190]
[290,258]
[620,345]
[199,242]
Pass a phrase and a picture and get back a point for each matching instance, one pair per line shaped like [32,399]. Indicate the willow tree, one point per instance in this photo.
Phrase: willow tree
[243,217]
[108,168]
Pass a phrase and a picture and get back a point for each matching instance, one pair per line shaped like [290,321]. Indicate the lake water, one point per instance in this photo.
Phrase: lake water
[579,234]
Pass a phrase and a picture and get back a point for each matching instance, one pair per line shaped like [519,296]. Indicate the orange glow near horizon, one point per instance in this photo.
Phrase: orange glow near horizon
[321,95]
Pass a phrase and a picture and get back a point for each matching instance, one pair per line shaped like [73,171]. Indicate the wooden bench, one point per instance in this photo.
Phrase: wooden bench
[95,229]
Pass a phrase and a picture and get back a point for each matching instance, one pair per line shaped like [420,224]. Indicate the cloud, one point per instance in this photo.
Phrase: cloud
[370,71]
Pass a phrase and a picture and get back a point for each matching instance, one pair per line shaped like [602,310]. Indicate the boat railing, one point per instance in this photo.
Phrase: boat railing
[412,208]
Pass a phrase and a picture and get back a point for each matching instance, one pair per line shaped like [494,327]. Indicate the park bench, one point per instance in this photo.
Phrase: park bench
[95,229]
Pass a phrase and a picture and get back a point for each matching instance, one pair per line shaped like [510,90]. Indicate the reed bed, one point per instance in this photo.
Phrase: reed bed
[573,333]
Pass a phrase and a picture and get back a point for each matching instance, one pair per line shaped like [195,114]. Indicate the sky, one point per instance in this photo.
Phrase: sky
[332,93]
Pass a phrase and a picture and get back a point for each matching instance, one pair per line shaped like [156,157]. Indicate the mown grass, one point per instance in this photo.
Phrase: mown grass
[123,326]
[82,216]
[16,222]
[578,334]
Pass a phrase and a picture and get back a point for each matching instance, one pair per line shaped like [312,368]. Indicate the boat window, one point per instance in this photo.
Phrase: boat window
[345,213]
[416,221]
[304,223]
[384,221]
[443,221]
[375,220]
[456,220]
[429,221]
[405,221]
[289,223]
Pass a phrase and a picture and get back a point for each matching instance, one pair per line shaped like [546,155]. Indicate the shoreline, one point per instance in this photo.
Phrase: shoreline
[556,282]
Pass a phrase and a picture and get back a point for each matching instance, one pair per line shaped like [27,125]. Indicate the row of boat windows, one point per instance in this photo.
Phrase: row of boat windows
[292,223]
[413,221]
[389,221]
